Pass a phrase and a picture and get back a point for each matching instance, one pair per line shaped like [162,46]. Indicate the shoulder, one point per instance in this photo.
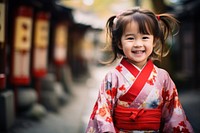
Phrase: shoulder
[112,74]
[111,79]
[162,72]
[164,76]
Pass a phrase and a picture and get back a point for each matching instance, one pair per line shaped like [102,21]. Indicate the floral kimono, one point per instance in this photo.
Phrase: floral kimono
[132,100]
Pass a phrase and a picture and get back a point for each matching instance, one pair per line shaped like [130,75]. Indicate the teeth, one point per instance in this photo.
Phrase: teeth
[138,52]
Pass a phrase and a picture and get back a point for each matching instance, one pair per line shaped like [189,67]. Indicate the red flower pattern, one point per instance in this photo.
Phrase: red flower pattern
[165,94]
[153,79]
[112,92]
[176,100]
[102,111]
[122,88]
[119,68]
[109,105]
[94,111]
[178,128]
[109,119]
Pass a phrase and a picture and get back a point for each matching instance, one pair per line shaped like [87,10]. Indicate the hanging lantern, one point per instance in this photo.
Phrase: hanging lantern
[20,74]
[60,48]
[41,41]
[2,45]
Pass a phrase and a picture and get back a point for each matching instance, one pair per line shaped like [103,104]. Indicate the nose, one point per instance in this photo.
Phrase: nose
[138,43]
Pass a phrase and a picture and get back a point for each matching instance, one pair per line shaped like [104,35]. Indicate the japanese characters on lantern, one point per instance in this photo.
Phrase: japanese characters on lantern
[22,46]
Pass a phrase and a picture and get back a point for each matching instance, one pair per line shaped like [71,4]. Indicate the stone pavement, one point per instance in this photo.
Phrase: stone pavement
[73,117]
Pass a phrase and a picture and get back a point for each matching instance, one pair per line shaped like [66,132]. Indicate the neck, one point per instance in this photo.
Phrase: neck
[139,65]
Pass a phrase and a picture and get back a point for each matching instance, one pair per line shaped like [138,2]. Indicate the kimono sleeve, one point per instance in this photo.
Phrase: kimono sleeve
[101,117]
[174,119]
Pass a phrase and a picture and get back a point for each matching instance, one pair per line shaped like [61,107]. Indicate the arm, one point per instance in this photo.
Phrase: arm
[174,118]
[101,117]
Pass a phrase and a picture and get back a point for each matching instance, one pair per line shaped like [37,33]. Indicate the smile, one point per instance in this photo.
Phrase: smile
[138,51]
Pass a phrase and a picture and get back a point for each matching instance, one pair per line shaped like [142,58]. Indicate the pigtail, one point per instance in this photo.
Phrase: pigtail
[109,49]
[168,26]
[110,27]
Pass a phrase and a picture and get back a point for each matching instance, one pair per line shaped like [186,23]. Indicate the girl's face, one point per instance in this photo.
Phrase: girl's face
[137,47]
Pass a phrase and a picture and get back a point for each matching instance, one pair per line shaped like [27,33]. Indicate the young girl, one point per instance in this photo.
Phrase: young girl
[137,96]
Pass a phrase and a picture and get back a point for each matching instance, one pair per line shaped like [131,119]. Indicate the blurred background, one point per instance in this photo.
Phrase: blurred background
[49,60]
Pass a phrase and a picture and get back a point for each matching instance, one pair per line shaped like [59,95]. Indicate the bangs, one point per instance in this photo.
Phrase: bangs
[145,23]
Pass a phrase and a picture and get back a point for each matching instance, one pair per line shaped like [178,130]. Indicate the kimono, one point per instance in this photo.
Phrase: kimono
[132,100]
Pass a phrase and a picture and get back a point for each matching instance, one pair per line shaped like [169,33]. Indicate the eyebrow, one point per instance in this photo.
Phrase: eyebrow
[132,34]
[129,34]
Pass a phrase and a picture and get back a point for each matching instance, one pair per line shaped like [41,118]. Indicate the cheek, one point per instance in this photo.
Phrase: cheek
[150,47]
[152,44]
[126,47]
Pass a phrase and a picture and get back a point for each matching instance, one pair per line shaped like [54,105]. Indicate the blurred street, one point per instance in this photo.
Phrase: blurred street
[73,117]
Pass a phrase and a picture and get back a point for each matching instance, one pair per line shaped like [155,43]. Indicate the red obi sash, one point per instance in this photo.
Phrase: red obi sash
[137,119]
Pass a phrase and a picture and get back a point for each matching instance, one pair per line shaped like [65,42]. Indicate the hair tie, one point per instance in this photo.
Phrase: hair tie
[115,22]
[158,17]
[116,18]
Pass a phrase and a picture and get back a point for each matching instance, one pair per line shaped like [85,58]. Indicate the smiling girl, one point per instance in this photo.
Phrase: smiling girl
[137,96]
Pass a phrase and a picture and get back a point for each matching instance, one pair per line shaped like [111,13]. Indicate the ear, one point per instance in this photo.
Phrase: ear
[120,45]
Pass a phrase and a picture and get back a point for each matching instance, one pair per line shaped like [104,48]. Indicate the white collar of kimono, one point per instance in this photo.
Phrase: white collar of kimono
[138,67]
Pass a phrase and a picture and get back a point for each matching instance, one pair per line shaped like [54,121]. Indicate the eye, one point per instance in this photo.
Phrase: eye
[145,37]
[130,38]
